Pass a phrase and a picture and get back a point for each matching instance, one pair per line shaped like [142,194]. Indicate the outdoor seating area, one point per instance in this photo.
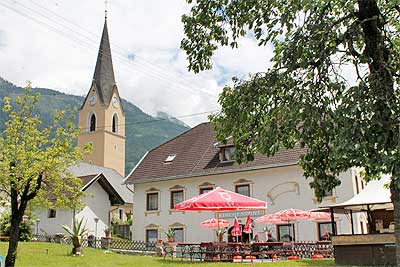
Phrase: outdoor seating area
[221,200]
[210,251]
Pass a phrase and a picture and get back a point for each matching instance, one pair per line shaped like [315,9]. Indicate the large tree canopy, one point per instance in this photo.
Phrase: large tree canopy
[333,86]
[34,162]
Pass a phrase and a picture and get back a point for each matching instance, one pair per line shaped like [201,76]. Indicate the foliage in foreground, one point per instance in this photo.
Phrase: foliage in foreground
[25,227]
[76,234]
[35,161]
[333,87]
[50,254]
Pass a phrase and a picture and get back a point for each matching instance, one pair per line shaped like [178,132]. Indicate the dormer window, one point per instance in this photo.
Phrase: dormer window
[228,153]
[170,158]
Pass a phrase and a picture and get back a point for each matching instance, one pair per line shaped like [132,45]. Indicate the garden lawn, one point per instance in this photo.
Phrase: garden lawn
[56,255]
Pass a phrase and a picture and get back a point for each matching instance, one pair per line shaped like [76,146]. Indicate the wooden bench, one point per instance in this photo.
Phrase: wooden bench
[4,238]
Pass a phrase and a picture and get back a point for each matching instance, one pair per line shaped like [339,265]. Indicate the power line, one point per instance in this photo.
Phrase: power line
[86,44]
[147,69]
[80,42]
[133,123]
[113,45]
[155,120]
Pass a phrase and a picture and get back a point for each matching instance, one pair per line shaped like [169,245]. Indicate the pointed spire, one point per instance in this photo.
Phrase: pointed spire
[104,72]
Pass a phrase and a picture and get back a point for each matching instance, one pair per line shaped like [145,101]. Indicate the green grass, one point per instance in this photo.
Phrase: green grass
[48,254]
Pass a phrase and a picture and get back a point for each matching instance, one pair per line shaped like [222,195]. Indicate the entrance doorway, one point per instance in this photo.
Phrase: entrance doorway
[244,238]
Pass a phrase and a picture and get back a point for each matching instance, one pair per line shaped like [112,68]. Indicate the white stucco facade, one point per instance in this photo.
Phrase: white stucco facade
[97,205]
[281,187]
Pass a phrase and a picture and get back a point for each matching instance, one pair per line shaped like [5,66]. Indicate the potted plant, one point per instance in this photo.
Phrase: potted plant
[220,234]
[107,231]
[170,233]
[76,234]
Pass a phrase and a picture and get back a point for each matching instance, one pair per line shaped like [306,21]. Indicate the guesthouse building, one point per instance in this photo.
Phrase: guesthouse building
[194,163]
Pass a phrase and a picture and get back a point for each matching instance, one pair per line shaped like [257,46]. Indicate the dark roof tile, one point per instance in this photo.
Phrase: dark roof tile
[196,155]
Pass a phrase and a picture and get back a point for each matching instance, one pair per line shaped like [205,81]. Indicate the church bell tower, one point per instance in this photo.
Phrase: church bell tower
[101,116]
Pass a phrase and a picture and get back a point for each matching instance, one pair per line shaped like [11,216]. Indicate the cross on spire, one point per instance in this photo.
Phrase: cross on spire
[105,8]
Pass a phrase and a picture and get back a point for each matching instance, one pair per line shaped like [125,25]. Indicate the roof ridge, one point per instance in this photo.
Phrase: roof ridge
[99,166]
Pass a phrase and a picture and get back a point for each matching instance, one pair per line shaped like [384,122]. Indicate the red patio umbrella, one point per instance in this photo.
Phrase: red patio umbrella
[317,215]
[248,226]
[221,200]
[292,214]
[269,219]
[215,223]
[236,231]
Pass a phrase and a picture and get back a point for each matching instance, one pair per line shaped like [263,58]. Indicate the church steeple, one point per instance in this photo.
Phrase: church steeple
[101,117]
[104,72]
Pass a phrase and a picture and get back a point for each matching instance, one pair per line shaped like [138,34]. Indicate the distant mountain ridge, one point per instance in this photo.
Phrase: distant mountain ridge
[143,132]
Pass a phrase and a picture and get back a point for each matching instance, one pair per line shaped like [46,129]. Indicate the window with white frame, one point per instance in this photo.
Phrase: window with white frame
[176,197]
[179,234]
[243,189]
[205,189]
[285,232]
[151,235]
[152,201]
[228,153]
[325,231]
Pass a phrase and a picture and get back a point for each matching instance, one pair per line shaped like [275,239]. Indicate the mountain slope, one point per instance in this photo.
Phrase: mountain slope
[143,132]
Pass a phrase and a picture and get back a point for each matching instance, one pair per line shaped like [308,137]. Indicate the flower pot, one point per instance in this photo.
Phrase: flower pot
[170,239]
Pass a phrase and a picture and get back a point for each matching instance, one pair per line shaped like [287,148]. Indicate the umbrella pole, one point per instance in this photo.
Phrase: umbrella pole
[217,215]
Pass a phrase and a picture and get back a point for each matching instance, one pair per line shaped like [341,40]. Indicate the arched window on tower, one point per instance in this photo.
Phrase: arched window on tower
[115,123]
[92,126]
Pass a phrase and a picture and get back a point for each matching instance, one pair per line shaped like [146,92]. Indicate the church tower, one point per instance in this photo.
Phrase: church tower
[101,116]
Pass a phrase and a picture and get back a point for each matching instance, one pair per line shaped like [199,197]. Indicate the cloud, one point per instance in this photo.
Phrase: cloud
[3,41]
[151,70]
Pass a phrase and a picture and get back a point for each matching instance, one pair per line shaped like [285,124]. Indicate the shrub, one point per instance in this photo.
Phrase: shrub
[25,228]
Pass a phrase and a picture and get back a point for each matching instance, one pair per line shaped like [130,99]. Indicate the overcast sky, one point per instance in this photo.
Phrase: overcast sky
[54,44]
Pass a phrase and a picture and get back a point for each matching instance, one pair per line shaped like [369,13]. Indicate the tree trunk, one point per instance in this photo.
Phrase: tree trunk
[381,86]
[13,242]
[395,190]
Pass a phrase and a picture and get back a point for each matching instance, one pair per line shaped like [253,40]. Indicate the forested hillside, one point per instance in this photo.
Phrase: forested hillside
[143,132]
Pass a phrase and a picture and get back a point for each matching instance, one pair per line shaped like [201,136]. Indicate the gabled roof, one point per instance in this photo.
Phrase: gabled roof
[103,76]
[84,169]
[88,180]
[197,155]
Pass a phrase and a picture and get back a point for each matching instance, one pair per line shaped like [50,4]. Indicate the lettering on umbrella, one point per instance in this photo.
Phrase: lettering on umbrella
[228,198]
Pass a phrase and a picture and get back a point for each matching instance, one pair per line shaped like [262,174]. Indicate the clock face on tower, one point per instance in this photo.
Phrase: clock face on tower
[115,101]
[92,100]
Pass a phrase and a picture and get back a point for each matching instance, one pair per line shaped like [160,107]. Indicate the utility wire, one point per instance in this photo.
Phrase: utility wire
[155,120]
[152,65]
[147,70]
[90,48]
[85,44]
[132,123]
